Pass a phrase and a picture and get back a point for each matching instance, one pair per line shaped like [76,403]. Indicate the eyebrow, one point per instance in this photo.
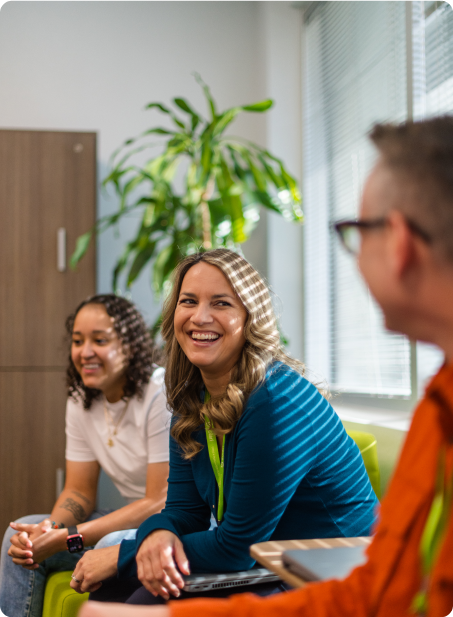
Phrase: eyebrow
[214,297]
[93,332]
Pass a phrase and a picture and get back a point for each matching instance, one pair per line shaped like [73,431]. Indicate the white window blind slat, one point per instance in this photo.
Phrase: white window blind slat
[355,76]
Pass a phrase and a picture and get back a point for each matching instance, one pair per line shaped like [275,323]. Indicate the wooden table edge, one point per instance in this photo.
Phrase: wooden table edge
[268,554]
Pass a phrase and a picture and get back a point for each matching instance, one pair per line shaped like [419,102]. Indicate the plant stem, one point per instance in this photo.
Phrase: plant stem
[206,222]
[206,215]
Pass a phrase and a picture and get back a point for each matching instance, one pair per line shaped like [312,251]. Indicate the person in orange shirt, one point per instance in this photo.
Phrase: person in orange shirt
[404,244]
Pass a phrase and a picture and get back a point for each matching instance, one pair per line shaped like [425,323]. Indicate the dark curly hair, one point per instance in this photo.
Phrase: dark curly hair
[135,338]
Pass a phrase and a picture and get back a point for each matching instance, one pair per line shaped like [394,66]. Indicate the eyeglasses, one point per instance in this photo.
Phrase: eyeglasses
[350,232]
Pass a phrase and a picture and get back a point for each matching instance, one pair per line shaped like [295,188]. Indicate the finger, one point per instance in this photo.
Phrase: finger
[160,559]
[19,553]
[145,574]
[24,539]
[74,585]
[156,589]
[35,566]
[169,567]
[171,587]
[181,558]
[23,562]
[168,576]
[28,528]
[21,540]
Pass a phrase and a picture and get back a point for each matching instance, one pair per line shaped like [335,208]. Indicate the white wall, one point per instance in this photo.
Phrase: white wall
[93,66]
[282,32]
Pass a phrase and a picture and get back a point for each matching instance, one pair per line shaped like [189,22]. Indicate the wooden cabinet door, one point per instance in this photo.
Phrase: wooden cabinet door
[32,441]
[47,184]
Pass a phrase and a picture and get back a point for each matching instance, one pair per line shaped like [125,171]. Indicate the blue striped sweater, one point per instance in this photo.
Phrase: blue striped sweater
[291,471]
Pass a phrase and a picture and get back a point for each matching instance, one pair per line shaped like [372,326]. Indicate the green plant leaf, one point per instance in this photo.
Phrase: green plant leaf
[233,175]
[272,175]
[81,248]
[184,105]
[165,110]
[141,259]
[233,203]
[121,264]
[159,106]
[259,107]
[224,120]
[159,265]
[207,94]
[158,131]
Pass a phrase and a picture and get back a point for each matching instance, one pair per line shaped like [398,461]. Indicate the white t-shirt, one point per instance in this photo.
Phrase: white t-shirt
[142,436]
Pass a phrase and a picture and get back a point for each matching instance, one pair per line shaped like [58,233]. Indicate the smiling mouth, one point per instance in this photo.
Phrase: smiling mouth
[205,336]
[90,367]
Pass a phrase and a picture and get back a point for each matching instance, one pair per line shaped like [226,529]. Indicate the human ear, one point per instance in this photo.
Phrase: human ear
[401,245]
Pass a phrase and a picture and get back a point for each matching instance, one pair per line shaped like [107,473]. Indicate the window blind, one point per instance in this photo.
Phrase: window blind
[355,75]
[432,95]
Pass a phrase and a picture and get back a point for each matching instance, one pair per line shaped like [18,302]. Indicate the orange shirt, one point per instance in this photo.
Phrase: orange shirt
[387,583]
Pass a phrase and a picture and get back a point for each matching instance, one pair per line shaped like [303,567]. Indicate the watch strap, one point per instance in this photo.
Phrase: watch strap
[72,530]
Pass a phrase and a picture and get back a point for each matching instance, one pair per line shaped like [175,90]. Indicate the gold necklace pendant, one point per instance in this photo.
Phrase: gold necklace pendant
[110,424]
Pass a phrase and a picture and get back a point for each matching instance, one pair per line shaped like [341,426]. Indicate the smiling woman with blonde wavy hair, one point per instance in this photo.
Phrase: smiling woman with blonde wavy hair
[262,346]
[253,443]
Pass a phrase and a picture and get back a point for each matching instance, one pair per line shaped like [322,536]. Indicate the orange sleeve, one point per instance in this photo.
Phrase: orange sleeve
[346,598]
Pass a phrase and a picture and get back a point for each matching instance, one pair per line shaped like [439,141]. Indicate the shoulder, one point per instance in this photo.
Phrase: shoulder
[155,384]
[77,416]
[74,404]
[283,381]
[284,387]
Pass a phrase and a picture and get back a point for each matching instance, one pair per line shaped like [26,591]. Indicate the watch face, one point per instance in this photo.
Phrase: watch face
[75,543]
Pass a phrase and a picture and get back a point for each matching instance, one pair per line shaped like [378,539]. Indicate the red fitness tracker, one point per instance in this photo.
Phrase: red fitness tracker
[74,541]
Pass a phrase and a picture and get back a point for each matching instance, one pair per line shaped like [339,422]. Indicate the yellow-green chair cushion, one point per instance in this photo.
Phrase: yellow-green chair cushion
[59,599]
[367,445]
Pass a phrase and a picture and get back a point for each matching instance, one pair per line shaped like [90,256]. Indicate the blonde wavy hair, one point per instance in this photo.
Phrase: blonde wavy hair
[183,380]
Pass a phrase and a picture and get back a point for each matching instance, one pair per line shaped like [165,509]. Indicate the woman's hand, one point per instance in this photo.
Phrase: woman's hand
[23,542]
[94,567]
[158,559]
[103,609]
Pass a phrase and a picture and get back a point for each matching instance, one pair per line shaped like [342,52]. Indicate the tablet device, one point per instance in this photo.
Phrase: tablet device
[320,564]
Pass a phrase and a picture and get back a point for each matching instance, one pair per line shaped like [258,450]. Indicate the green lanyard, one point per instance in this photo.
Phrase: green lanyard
[217,465]
[433,534]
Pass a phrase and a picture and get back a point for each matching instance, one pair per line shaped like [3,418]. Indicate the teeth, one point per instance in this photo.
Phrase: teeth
[204,336]
[91,366]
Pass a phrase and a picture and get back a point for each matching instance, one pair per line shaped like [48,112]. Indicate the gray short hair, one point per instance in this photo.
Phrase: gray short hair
[421,153]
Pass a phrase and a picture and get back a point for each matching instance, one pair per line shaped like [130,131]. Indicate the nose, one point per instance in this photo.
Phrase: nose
[202,314]
[87,350]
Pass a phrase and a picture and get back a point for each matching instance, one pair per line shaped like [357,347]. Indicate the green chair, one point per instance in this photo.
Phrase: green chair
[367,445]
[59,599]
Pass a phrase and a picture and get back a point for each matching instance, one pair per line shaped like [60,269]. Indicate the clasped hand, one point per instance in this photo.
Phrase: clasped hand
[160,561]
[32,544]
[94,567]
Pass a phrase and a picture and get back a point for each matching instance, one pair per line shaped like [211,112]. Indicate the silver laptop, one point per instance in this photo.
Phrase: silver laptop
[206,582]
[320,564]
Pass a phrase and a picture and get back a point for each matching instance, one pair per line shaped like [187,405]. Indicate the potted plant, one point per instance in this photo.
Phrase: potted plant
[226,179]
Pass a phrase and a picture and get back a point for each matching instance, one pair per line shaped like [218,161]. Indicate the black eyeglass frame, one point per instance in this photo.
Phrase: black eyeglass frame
[339,226]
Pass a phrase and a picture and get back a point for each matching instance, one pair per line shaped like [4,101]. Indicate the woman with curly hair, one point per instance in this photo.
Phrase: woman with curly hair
[253,443]
[117,420]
